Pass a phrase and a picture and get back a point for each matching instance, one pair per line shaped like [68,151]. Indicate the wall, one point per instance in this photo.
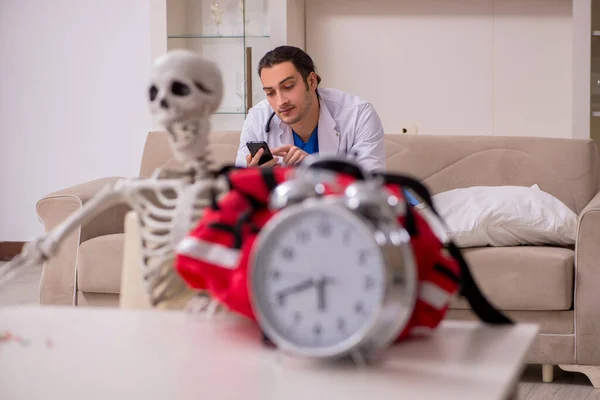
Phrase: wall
[72,99]
[585,14]
[493,67]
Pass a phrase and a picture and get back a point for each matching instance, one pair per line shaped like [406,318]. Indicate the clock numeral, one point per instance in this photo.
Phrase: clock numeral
[369,282]
[341,324]
[275,274]
[324,229]
[359,308]
[346,237]
[281,300]
[297,317]
[362,257]
[287,253]
[317,329]
[303,236]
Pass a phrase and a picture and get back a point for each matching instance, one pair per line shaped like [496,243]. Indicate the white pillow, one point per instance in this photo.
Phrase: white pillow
[505,216]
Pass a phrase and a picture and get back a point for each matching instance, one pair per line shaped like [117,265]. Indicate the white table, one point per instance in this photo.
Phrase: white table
[89,353]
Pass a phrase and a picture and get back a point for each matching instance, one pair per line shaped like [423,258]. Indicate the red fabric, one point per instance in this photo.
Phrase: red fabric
[248,190]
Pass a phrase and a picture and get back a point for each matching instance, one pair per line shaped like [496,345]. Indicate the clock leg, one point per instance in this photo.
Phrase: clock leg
[266,341]
[359,358]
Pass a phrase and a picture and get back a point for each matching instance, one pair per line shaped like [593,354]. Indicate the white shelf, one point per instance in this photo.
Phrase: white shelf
[218,37]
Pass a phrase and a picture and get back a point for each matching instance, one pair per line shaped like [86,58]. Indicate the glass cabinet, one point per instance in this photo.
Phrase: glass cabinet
[233,33]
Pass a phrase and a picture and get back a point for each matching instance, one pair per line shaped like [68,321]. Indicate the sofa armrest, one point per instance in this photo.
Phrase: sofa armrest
[58,283]
[587,281]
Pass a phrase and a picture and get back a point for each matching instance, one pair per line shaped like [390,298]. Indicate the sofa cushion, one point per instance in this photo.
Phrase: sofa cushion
[522,277]
[104,300]
[549,322]
[565,168]
[99,264]
[503,216]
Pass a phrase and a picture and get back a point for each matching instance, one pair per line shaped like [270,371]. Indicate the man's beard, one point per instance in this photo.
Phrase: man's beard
[304,112]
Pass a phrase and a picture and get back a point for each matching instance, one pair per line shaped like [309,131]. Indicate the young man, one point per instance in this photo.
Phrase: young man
[297,119]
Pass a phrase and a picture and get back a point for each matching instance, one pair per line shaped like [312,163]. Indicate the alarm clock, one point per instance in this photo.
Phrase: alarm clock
[333,276]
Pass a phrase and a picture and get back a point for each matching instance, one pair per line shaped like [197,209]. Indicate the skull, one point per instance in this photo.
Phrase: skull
[185,90]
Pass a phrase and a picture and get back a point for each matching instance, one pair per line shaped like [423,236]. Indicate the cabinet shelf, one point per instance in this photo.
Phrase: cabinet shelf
[230,110]
[218,37]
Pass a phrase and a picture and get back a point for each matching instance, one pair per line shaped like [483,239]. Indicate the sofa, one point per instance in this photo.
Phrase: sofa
[552,286]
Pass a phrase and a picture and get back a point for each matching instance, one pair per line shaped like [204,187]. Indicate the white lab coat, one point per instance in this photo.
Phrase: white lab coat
[348,125]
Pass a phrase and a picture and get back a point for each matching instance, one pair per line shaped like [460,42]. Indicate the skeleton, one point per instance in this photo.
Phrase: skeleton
[185,90]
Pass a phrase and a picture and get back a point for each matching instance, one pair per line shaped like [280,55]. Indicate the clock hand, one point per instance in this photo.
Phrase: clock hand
[321,293]
[299,287]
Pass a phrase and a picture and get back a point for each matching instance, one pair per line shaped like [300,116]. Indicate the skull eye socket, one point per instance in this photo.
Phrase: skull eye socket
[203,88]
[153,92]
[180,89]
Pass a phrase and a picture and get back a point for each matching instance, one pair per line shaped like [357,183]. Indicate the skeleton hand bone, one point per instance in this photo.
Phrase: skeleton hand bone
[33,253]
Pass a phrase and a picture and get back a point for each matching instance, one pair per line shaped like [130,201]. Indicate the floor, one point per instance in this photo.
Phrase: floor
[24,289]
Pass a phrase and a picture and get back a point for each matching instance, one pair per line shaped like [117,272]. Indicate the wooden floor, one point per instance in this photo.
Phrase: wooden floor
[566,385]
[24,289]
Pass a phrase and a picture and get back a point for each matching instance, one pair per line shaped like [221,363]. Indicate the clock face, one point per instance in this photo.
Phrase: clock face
[318,278]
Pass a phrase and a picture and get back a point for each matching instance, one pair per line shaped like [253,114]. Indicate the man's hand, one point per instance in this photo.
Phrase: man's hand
[291,154]
[253,161]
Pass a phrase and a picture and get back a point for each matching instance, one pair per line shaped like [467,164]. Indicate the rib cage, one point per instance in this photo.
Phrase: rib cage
[167,209]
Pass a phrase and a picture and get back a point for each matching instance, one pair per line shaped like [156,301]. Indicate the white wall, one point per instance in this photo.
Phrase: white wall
[73,77]
[493,67]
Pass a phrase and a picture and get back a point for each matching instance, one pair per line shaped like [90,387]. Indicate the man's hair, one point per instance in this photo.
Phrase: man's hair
[302,61]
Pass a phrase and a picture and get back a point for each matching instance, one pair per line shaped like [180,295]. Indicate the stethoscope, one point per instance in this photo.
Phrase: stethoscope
[268,125]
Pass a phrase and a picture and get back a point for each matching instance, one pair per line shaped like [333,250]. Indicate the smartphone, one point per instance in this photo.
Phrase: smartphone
[254,146]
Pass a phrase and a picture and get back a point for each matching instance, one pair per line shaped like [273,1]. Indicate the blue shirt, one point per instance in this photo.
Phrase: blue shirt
[310,147]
